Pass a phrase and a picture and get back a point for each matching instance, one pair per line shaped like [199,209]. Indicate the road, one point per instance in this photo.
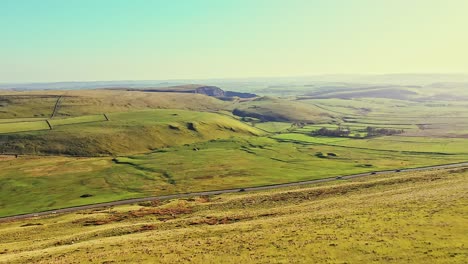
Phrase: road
[215,192]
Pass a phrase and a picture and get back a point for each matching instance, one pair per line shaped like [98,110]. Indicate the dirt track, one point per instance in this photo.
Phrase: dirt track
[214,192]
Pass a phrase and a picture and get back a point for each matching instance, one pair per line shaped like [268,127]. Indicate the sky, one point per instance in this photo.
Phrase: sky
[90,40]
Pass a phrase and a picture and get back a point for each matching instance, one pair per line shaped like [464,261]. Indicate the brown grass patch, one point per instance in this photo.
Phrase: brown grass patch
[154,203]
[164,213]
[147,228]
[318,193]
[211,220]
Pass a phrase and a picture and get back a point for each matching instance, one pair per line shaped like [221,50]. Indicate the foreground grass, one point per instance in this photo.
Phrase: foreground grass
[396,218]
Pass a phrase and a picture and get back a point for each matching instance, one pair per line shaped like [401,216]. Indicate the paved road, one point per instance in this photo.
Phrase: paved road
[246,189]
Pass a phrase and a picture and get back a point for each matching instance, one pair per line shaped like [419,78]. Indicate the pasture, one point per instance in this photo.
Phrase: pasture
[15,127]
[77,120]
[33,184]
[126,133]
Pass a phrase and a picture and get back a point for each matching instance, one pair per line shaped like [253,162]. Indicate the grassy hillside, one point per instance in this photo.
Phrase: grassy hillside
[26,104]
[398,218]
[33,184]
[124,133]
[274,109]
[89,102]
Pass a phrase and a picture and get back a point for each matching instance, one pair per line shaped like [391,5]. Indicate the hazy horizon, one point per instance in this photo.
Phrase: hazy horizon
[330,76]
[58,41]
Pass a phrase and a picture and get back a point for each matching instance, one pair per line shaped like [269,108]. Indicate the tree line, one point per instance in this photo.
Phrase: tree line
[345,132]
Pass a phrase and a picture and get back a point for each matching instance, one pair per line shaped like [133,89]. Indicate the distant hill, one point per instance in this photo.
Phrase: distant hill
[192,88]
[389,92]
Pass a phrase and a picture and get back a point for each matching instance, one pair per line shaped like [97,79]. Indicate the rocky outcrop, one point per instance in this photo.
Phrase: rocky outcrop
[210,91]
[240,95]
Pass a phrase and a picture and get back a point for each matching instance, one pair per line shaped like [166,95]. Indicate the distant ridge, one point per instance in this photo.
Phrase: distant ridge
[192,88]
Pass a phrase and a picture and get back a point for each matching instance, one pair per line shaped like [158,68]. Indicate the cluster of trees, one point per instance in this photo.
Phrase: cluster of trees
[339,132]
[372,131]
[345,132]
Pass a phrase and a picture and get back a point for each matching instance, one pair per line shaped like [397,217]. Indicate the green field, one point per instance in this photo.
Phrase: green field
[398,218]
[412,144]
[77,120]
[34,124]
[6,128]
[447,146]
[274,126]
[20,120]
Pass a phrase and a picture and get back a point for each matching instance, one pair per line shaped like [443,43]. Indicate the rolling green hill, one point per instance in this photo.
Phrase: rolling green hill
[124,133]
[275,109]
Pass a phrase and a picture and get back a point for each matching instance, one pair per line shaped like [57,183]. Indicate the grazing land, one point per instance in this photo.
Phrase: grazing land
[414,217]
[72,148]
[14,126]
[52,182]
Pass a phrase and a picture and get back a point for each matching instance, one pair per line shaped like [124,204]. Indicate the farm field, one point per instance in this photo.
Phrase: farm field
[445,146]
[274,127]
[391,109]
[6,127]
[19,120]
[77,120]
[414,217]
[34,124]
[413,144]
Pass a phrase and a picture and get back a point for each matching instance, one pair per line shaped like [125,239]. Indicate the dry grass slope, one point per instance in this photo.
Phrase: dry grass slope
[90,102]
[399,218]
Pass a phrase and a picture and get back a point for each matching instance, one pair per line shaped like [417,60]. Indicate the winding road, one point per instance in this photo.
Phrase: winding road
[215,192]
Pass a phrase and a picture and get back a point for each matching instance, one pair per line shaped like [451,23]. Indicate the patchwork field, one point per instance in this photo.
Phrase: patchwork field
[395,218]
[447,146]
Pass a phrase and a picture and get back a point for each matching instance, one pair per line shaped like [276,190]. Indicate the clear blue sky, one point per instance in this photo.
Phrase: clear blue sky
[66,40]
